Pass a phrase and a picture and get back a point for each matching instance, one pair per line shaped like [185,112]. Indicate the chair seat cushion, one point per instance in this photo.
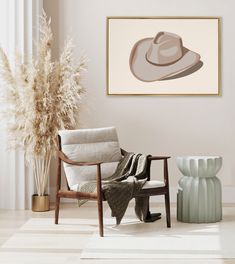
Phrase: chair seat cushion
[148,185]
[153,184]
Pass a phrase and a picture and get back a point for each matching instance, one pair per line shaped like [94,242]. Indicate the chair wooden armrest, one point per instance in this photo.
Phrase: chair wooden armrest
[158,157]
[64,158]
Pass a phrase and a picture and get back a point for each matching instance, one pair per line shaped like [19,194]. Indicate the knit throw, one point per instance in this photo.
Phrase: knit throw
[125,183]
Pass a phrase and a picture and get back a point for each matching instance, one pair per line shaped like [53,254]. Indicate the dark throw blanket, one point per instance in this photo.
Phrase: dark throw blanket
[128,179]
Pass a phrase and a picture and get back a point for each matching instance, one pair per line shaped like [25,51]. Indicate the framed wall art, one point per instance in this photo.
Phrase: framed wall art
[163,56]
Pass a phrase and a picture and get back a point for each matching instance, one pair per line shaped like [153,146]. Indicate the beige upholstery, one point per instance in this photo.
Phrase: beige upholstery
[93,145]
[90,145]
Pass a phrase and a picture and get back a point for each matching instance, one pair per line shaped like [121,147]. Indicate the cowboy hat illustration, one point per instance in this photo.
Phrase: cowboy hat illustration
[163,57]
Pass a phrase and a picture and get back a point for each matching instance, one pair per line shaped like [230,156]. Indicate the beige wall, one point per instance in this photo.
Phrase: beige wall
[159,125]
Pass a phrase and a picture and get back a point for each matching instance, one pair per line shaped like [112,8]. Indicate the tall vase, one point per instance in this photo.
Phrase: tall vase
[41,200]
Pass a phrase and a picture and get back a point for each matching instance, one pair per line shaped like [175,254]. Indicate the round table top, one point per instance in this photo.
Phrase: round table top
[199,166]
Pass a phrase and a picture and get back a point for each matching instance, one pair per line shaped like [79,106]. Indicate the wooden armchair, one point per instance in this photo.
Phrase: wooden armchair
[102,145]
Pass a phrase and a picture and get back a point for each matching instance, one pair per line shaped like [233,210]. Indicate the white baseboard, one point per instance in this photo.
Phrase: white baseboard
[228,195]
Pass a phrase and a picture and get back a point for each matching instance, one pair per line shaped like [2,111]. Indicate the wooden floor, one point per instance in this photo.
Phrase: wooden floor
[11,221]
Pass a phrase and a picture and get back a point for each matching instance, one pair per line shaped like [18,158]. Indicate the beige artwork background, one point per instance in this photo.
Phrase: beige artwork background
[198,35]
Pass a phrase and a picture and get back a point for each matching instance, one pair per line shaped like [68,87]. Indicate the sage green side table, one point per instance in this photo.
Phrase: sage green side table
[199,198]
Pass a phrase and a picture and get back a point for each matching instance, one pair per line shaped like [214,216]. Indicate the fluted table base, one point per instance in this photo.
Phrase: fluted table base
[199,193]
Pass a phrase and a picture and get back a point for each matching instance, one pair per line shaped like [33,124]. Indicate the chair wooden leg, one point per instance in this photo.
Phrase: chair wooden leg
[100,214]
[57,208]
[100,200]
[168,213]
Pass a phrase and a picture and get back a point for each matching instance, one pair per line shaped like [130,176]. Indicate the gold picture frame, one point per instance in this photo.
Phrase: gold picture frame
[126,83]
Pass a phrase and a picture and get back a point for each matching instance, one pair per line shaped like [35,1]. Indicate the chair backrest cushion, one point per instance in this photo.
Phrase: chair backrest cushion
[90,145]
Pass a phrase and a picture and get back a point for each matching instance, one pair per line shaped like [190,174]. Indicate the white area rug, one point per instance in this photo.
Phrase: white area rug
[41,233]
[135,240]
[42,241]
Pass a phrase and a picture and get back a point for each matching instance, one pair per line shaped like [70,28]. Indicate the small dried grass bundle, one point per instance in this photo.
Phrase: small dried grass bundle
[41,97]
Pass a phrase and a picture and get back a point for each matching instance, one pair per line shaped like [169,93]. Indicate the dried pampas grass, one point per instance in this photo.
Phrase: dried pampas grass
[42,96]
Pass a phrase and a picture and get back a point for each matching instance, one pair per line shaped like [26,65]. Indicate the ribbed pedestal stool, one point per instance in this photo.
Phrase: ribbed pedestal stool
[199,192]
